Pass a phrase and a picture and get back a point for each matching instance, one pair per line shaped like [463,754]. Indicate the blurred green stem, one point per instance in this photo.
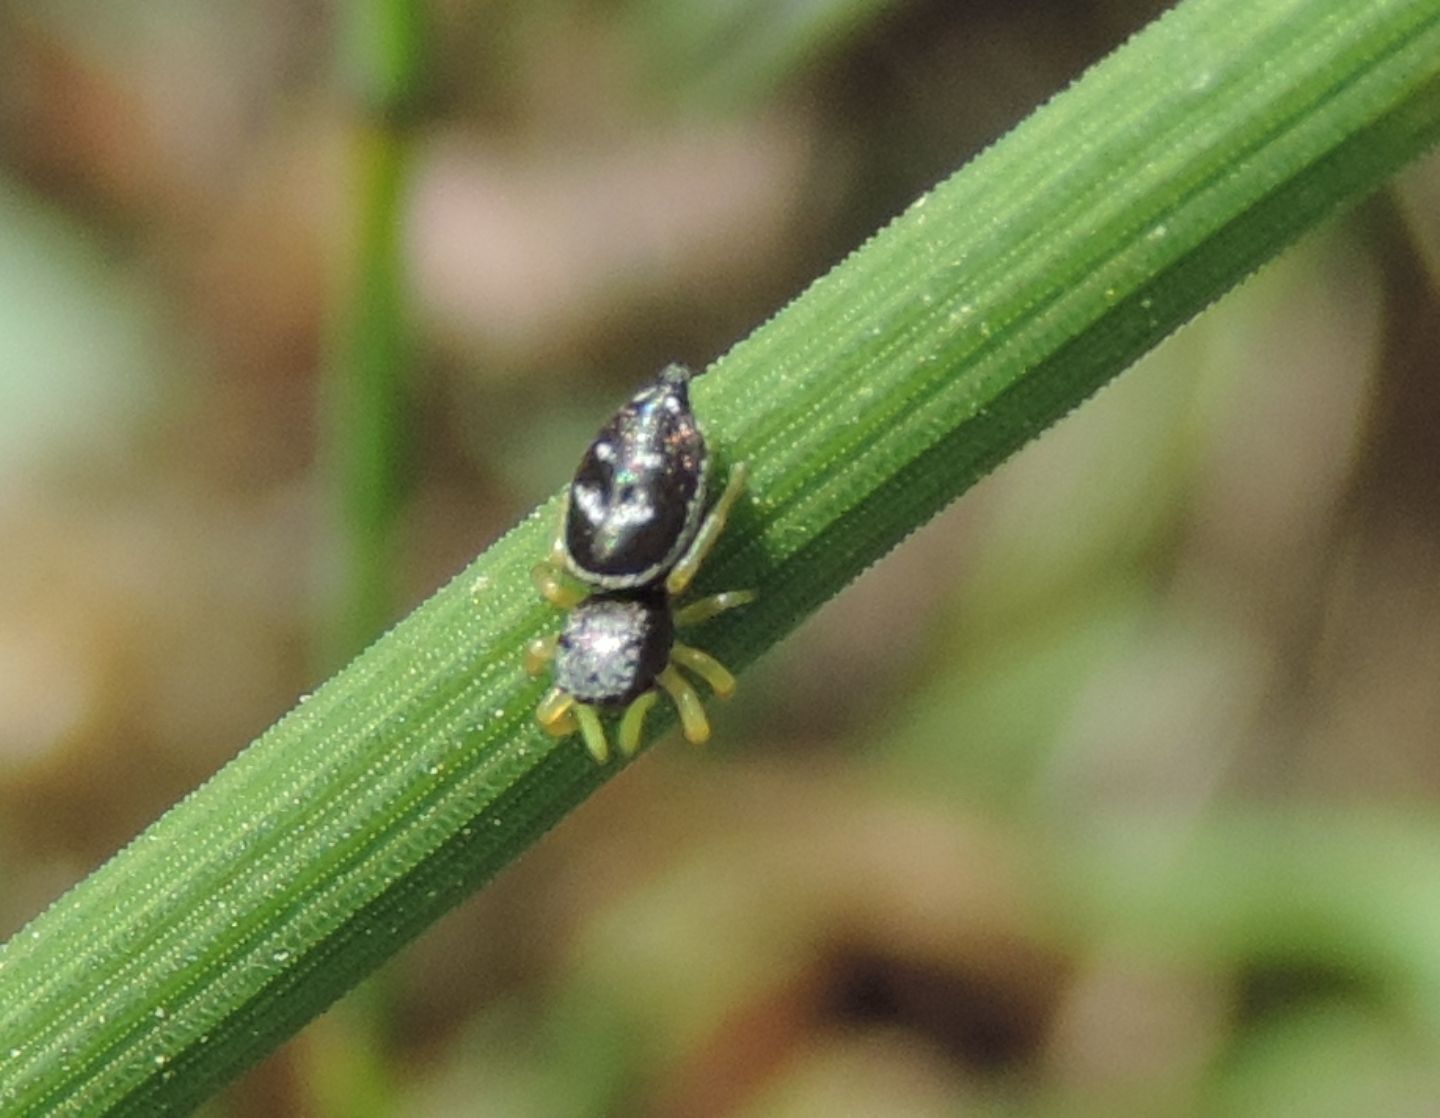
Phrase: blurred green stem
[366,400]
[993,306]
[370,366]
[383,47]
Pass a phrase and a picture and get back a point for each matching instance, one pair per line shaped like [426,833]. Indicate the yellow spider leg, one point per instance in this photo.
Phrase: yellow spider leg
[539,652]
[563,726]
[687,702]
[634,721]
[683,571]
[703,609]
[553,711]
[706,667]
[592,732]
[553,586]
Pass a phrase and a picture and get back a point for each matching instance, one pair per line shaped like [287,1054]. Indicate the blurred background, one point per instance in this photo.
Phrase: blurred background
[1113,791]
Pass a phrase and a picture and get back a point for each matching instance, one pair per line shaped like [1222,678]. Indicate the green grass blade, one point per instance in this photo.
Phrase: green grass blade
[988,310]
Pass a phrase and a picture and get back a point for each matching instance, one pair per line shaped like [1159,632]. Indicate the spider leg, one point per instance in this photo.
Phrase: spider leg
[592,732]
[564,726]
[703,609]
[687,702]
[684,571]
[560,716]
[550,580]
[539,653]
[555,712]
[633,722]
[706,667]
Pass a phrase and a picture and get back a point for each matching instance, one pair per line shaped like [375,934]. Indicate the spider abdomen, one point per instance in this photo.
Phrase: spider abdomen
[636,498]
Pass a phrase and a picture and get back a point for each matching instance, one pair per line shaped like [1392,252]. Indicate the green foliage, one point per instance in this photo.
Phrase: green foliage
[989,309]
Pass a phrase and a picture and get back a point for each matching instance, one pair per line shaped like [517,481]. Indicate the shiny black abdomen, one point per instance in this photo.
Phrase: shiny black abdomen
[636,499]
